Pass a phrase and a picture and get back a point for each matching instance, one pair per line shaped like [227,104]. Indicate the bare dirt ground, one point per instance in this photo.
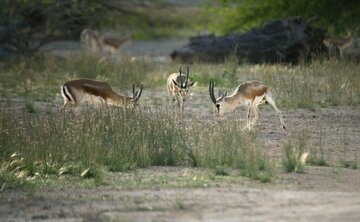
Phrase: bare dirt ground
[320,194]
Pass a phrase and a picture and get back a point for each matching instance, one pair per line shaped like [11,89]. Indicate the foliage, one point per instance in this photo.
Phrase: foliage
[82,145]
[28,25]
[337,16]
[119,140]
[320,84]
[295,153]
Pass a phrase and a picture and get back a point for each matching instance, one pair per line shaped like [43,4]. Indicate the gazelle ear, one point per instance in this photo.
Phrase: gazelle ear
[175,83]
[220,93]
[135,94]
[191,84]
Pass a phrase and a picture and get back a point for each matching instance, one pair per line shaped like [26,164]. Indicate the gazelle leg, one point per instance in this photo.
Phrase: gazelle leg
[178,107]
[171,97]
[257,115]
[104,103]
[182,107]
[272,103]
[66,102]
[257,101]
[77,97]
[248,114]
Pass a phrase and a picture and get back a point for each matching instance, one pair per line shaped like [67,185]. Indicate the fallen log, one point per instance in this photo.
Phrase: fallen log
[285,40]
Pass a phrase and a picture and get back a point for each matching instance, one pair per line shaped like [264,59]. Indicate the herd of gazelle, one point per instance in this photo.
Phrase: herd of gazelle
[249,94]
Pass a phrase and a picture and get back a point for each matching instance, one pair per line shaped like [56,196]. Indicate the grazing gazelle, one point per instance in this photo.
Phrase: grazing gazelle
[74,91]
[338,43]
[249,94]
[178,86]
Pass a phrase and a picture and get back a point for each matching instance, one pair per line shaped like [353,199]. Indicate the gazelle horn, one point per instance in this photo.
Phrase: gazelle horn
[137,94]
[187,76]
[211,91]
[181,80]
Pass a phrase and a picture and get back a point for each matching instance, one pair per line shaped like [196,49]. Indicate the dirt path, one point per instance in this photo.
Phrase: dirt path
[290,198]
[319,194]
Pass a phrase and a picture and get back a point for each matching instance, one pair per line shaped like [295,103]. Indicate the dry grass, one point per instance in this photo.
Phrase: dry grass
[40,144]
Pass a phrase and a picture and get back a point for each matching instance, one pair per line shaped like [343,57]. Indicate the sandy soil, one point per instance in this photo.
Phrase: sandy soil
[319,194]
[209,204]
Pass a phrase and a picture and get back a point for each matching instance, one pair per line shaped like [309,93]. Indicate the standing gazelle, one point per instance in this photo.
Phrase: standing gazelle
[249,94]
[178,87]
[338,43]
[74,91]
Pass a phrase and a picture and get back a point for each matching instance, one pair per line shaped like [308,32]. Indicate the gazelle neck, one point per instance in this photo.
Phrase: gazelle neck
[119,100]
[233,100]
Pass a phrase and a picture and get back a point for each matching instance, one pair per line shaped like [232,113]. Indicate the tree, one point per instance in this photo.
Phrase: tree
[337,16]
[28,25]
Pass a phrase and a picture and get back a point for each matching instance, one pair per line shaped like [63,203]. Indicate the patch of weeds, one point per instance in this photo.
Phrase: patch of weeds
[179,204]
[9,181]
[256,166]
[227,147]
[314,161]
[317,159]
[114,164]
[292,161]
[50,169]
[222,171]
[30,105]
[317,155]
[295,154]
[346,161]
[351,164]
[94,172]
[69,168]
[15,173]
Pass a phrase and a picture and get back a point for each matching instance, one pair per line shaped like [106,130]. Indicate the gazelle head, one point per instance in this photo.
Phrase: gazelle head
[136,94]
[221,104]
[183,86]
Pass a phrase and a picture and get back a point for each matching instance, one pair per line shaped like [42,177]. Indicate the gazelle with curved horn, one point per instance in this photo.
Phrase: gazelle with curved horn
[74,91]
[178,86]
[249,94]
[338,43]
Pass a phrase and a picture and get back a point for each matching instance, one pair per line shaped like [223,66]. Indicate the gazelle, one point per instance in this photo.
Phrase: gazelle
[178,87]
[100,43]
[338,43]
[74,91]
[249,94]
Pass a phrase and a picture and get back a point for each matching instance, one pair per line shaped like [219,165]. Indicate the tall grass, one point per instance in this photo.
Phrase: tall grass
[47,143]
[41,77]
[295,153]
[319,84]
[121,140]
